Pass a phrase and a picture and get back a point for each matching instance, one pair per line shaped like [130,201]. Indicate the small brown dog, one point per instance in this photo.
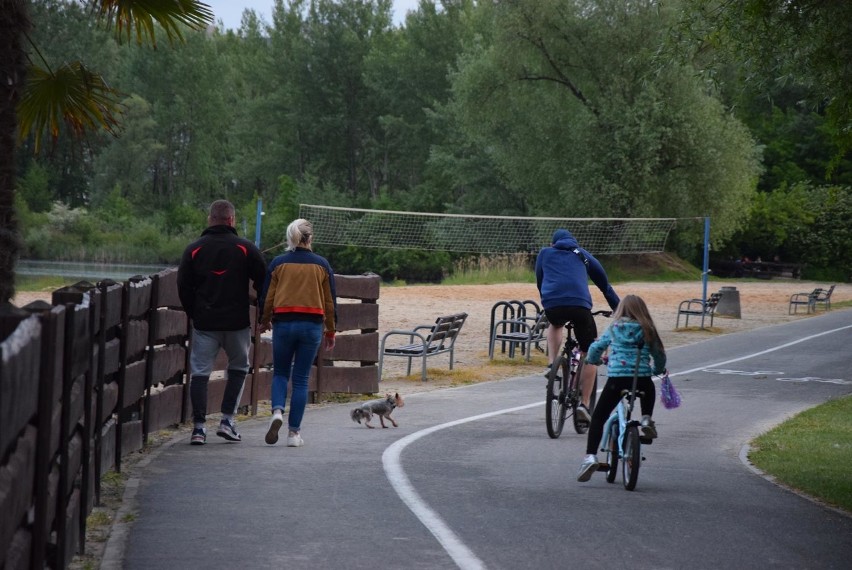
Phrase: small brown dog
[381,408]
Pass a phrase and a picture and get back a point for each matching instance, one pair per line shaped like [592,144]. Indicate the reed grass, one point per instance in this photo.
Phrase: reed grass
[520,268]
[491,269]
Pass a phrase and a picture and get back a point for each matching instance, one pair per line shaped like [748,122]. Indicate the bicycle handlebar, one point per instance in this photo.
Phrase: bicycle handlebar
[603,313]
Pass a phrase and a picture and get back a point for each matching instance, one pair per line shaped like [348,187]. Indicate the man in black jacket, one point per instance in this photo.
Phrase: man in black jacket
[213,285]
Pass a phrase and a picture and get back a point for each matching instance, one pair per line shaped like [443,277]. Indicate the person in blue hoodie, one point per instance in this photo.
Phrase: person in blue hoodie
[631,334]
[562,273]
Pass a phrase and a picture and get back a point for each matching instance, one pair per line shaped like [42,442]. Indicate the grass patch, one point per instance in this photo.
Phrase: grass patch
[501,367]
[520,268]
[42,282]
[344,398]
[715,330]
[492,269]
[98,519]
[812,452]
[649,267]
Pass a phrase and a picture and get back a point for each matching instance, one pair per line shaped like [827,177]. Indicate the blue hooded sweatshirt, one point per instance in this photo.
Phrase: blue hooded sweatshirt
[562,273]
[622,337]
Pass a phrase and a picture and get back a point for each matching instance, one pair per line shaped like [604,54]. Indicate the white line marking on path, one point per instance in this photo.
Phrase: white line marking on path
[762,352]
[461,554]
[458,551]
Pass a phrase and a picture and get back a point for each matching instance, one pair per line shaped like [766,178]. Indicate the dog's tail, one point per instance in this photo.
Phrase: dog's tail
[358,414]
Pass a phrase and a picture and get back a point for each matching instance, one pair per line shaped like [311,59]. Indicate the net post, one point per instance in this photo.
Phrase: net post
[706,269]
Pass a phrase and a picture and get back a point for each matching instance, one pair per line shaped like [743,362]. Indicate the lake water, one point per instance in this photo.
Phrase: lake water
[80,270]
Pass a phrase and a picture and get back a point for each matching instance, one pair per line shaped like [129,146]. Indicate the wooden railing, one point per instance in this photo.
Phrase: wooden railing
[86,379]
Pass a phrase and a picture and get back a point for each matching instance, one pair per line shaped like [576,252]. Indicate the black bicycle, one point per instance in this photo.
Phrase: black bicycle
[564,392]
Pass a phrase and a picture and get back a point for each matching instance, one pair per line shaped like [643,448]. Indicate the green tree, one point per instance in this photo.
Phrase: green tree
[825,245]
[774,217]
[40,99]
[771,42]
[127,162]
[333,113]
[34,188]
[260,147]
[579,118]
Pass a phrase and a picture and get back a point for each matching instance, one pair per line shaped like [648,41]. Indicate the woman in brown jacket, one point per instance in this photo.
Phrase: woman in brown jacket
[300,301]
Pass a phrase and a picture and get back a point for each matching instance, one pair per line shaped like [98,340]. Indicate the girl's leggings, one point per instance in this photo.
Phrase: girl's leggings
[609,399]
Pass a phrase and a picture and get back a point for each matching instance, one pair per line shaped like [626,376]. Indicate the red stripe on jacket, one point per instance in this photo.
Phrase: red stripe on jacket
[309,310]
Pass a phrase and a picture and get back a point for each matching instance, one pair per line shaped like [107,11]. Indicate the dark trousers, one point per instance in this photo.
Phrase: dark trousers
[230,400]
[609,399]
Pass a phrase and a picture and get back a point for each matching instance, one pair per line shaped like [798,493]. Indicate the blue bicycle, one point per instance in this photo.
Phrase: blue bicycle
[622,439]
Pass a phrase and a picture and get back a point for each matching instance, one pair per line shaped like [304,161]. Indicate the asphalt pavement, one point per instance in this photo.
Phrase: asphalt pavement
[470,479]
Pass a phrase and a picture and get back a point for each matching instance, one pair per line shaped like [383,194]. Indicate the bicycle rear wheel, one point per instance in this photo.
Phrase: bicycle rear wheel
[632,458]
[554,411]
[581,426]
[612,453]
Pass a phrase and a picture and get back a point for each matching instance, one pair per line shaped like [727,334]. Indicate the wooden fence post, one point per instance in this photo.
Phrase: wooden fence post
[122,373]
[51,321]
[149,367]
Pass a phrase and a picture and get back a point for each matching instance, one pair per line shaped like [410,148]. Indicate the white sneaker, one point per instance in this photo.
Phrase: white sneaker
[649,428]
[295,440]
[583,414]
[587,468]
[274,426]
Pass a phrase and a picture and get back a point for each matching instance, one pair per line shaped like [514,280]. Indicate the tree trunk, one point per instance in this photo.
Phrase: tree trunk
[14,21]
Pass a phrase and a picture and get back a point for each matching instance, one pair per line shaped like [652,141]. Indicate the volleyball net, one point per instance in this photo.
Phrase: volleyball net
[464,233]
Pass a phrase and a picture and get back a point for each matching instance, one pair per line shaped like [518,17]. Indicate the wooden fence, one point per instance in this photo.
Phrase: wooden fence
[84,380]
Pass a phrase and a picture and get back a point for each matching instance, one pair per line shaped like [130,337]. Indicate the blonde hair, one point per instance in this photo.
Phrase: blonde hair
[299,234]
[633,307]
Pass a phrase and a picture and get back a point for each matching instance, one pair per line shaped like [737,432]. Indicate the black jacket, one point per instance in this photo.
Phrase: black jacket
[213,279]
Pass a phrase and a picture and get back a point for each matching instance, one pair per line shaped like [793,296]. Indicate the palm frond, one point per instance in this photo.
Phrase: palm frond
[136,17]
[71,95]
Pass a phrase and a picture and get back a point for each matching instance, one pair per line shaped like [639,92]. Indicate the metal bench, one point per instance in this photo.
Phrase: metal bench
[698,308]
[823,297]
[808,300]
[523,331]
[440,339]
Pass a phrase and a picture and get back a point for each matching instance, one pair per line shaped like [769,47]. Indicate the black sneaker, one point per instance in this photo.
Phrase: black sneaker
[199,437]
[228,431]
[583,414]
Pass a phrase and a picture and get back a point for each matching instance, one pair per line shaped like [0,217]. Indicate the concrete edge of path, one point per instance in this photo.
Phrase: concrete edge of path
[113,554]
[743,455]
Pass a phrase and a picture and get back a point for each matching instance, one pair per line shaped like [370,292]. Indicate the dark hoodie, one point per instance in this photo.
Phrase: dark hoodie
[213,279]
[562,273]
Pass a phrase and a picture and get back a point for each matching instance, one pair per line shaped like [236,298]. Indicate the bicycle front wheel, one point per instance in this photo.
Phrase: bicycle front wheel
[632,458]
[554,411]
[612,453]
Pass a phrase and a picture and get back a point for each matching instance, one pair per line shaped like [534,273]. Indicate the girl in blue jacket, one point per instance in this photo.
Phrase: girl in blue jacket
[632,324]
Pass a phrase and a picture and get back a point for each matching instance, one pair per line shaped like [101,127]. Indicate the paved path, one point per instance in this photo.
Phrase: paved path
[470,479]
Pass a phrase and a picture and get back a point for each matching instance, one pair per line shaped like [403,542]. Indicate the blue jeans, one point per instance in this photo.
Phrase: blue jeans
[294,347]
